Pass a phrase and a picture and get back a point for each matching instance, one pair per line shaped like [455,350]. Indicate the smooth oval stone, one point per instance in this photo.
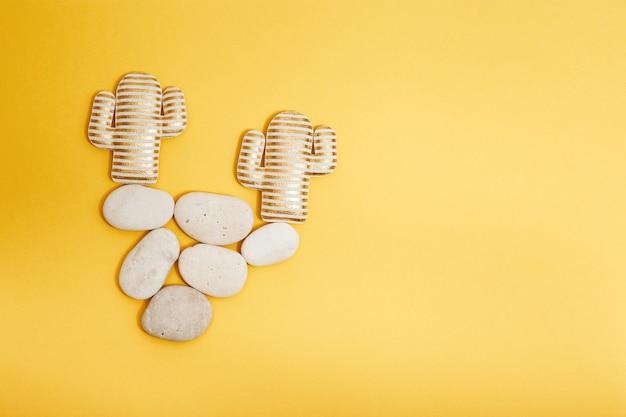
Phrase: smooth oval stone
[270,244]
[213,270]
[177,313]
[135,207]
[147,265]
[214,218]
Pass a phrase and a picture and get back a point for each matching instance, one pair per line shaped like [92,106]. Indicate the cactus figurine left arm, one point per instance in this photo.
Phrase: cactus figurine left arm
[249,171]
[293,153]
[132,123]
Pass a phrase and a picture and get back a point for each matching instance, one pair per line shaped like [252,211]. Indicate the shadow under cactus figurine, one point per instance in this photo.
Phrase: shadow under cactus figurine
[293,153]
[132,123]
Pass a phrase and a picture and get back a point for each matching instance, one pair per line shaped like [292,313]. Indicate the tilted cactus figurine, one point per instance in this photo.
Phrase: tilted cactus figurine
[144,114]
[293,153]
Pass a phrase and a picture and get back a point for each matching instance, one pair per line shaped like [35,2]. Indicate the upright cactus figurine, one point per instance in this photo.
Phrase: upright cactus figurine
[144,114]
[293,153]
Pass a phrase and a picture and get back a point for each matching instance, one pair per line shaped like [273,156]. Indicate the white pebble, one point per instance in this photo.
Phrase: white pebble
[177,313]
[213,270]
[214,218]
[147,265]
[135,207]
[270,244]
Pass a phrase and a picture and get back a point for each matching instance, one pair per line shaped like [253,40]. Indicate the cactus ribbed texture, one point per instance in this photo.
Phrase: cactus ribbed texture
[132,123]
[293,153]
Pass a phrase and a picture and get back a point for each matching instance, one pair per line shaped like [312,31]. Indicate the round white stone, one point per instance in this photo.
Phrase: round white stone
[135,207]
[214,218]
[213,270]
[177,313]
[147,265]
[270,244]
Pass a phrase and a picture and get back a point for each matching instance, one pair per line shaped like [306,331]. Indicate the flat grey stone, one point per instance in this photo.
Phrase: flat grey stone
[178,313]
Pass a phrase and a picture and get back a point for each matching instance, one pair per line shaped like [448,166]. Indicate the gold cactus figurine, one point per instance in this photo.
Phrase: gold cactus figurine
[293,153]
[132,123]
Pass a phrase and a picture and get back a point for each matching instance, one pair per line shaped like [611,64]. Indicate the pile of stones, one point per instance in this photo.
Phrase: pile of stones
[178,312]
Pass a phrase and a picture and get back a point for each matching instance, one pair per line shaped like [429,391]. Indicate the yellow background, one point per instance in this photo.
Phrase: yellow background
[466,258]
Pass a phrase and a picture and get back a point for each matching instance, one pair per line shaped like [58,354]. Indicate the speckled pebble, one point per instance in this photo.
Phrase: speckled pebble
[178,313]
[135,207]
[214,218]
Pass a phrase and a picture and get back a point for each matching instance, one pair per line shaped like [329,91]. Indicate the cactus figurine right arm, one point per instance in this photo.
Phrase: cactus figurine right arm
[293,153]
[324,160]
[143,115]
